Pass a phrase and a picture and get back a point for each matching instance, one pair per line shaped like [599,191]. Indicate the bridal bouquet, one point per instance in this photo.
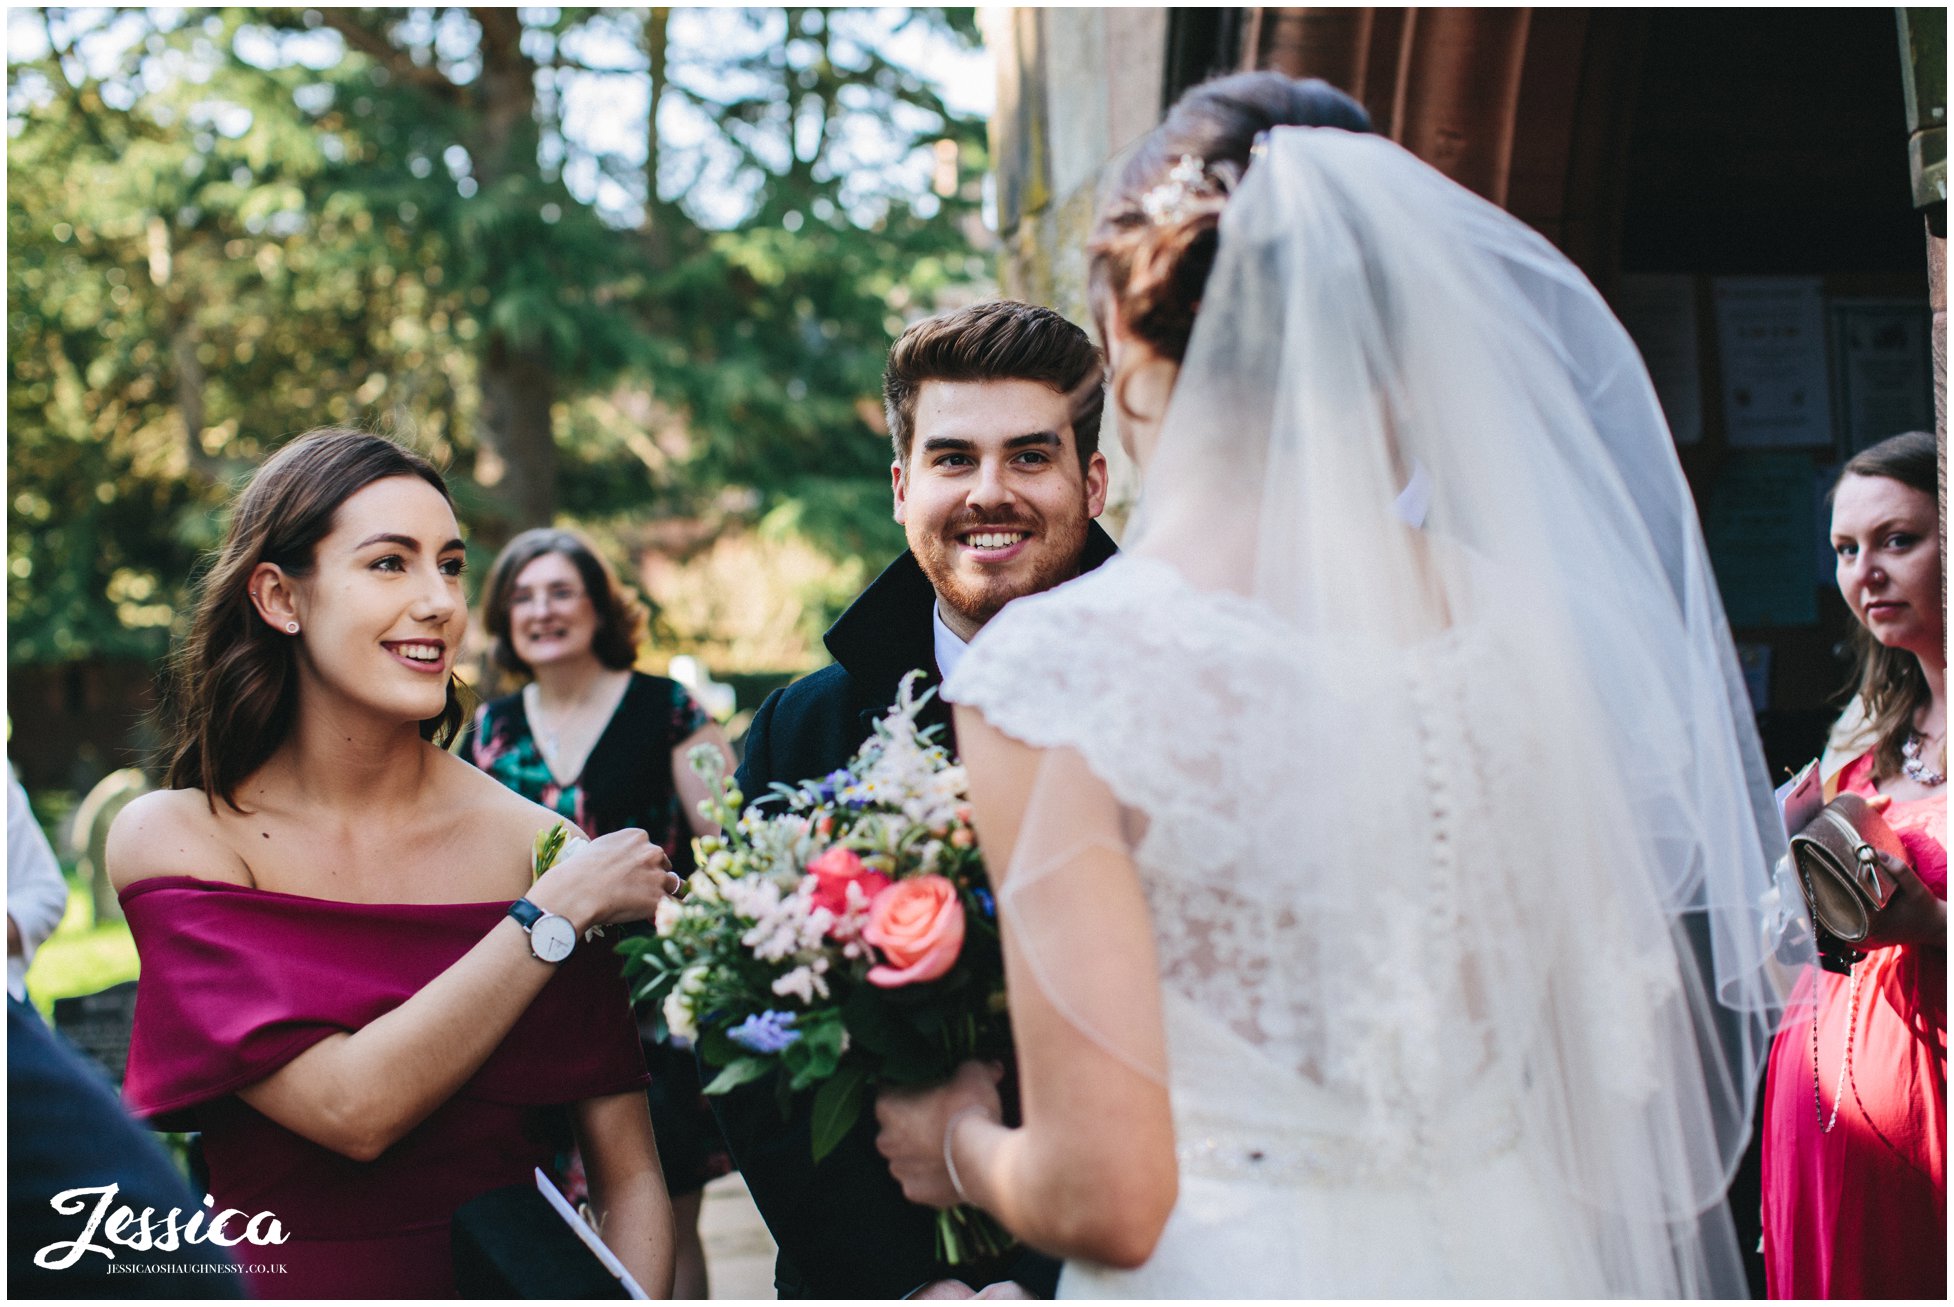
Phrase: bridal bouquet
[840,940]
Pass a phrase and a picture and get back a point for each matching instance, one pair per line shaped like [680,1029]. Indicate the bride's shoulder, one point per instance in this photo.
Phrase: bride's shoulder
[1104,643]
[1121,589]
[1131,608]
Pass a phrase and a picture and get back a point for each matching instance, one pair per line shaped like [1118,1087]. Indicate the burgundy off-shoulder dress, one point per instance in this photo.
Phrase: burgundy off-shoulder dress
[236,982]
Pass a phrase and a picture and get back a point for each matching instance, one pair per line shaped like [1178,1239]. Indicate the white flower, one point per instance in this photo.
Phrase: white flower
[784,925]
[804,982]
[777,851]
[751,898]
[772,940]
[666,915]
[678,1016]
[847,928]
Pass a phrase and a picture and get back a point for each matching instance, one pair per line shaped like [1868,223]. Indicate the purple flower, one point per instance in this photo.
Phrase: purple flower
[766,1032]
[985,901]
[832,784]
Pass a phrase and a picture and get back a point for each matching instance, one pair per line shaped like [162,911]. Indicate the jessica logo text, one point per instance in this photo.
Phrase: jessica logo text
[115,1224]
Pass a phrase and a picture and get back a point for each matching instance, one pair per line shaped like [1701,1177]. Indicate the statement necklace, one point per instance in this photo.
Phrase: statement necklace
[1915,767]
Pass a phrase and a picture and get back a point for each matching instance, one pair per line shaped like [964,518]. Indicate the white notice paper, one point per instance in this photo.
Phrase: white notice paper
[588,1235]
[1885,368]
[1771,346]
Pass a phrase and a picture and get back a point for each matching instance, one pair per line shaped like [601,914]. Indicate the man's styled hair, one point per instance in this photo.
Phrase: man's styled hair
[1001,340]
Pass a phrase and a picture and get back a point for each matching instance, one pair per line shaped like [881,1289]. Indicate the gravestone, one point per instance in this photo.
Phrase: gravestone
[99,1025]
[89,836]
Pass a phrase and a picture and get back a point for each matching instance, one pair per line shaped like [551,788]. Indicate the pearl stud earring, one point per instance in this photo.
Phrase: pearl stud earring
[292,627]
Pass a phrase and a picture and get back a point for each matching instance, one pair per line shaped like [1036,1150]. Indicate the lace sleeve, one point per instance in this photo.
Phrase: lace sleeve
[1019,676]
[1176,696]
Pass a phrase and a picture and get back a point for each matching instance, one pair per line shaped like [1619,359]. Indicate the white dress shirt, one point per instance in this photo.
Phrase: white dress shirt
[949,645]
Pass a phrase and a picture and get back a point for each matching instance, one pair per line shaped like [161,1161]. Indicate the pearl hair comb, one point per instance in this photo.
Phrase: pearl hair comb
[1173,200]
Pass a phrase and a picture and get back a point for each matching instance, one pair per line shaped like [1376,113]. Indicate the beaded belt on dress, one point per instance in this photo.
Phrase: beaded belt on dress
[1231,1151]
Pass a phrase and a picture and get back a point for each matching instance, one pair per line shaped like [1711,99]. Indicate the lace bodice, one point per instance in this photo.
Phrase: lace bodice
[1301,801]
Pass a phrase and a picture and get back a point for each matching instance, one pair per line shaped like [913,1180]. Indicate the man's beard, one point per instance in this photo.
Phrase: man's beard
[1052,563]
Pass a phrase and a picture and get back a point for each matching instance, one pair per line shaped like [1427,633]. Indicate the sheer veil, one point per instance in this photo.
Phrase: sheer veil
[1429,817]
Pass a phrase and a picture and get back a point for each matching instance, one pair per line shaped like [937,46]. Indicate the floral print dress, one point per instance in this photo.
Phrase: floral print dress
[626,782]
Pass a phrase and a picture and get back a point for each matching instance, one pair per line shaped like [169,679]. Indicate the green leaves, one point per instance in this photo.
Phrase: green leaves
[738,1072]
[837,1106]
[225,227]
[817,1053]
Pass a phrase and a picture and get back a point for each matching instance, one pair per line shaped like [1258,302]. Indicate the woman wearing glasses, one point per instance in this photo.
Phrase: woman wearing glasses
[605,746]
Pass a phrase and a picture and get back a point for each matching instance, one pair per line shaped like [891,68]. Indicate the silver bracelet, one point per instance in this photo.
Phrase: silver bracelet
[950,1134]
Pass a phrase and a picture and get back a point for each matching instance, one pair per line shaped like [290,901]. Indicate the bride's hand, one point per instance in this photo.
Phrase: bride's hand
[913,1122]
[615,877]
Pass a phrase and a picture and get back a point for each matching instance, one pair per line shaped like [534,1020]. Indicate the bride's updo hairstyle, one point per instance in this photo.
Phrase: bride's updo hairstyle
[233,686]
[1154,242]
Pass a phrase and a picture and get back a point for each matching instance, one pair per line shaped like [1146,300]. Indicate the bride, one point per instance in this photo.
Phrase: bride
[1381,863]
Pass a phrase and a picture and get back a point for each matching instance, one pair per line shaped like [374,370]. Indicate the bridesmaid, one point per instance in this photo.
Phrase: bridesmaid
[350,983]
[1855,1143]
[605,746]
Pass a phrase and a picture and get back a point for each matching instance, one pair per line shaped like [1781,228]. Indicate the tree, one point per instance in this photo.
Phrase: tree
[177,308]
[226,227]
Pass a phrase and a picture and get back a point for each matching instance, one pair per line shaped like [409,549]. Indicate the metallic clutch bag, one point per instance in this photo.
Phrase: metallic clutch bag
[1839,871]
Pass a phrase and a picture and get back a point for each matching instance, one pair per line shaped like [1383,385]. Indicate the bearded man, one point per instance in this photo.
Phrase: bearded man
[994,417]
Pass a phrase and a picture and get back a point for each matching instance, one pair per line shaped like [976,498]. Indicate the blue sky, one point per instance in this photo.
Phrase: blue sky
[603,114]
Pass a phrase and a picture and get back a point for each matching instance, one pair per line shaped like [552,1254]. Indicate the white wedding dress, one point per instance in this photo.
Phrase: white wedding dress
[1399,1178]
[1452,839]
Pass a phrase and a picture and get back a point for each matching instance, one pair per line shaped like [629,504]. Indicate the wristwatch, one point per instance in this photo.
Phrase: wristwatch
[550,937]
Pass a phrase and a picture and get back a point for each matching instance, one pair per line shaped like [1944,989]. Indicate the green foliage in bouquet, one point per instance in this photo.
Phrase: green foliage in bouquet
[841,937]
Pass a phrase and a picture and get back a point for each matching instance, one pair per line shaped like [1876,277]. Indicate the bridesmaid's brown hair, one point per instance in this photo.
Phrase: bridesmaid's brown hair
[233,692]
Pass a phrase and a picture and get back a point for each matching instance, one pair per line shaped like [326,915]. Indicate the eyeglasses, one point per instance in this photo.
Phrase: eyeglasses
[552,595]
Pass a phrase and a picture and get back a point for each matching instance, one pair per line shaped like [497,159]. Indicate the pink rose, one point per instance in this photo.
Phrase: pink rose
[918,925]
[833,872]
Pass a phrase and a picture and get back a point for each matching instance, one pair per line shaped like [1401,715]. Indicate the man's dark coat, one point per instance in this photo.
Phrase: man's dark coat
[843,1227]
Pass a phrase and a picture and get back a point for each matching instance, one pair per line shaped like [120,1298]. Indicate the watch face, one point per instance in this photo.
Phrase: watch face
[552,938]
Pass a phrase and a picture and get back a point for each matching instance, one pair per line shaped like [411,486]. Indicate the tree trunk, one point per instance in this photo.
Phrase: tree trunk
[505,100]
[656,227]
[516,460]
[516,445]
[181,319]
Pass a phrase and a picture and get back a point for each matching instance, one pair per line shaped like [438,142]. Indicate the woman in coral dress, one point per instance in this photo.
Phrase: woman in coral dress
[1855,1142]
[349,983]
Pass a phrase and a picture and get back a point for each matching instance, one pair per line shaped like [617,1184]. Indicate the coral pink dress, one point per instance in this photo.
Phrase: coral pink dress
[236,982]
[1861,1212]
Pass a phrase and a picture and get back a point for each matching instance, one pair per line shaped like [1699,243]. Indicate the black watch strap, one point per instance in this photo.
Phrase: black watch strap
[526,913]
